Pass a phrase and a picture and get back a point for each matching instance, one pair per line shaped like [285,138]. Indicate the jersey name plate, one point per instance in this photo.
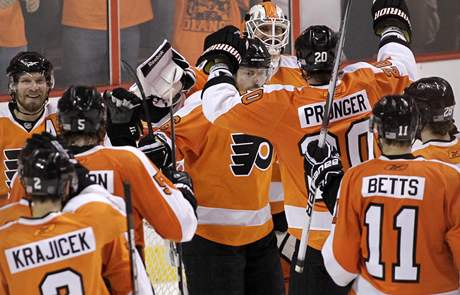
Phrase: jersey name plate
[58,248]
[394,186]
[345,107]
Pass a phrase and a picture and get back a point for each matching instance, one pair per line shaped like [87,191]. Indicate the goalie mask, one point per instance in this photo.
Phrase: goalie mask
[267,22]
[81,110]
[315,49]
[396,117]
[434,98]
[45,168]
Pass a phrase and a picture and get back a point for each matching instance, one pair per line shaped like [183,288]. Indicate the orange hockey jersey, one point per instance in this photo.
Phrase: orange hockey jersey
[13,136]
[231,174]
[60,251]
[290,117]
[397,228]
[445,151]
[154,197]
[287,73]
[115,259]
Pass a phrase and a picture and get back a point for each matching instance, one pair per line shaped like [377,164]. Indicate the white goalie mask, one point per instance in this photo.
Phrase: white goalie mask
[267,22]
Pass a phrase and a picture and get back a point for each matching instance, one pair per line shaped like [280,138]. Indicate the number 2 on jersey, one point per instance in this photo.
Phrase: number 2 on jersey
[405,223]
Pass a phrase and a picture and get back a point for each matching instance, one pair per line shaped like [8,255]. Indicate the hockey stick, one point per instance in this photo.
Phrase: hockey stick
[133,74]
[176,246]
[132,247]
[300,261]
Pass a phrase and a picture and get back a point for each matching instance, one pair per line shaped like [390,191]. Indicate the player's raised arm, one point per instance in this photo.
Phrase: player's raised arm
[224,103]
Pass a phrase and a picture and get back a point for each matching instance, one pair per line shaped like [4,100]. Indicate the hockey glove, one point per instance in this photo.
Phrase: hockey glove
[123,123]
[157,149]
[223,46]
[323,169]
[388,14]
[188,79]
[183,182]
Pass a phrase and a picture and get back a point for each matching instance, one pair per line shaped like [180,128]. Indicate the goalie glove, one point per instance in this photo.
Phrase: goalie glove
[391,18]
[157,148]
[123,123]
[183,182]
[188,78]
[323,170]
[225,46]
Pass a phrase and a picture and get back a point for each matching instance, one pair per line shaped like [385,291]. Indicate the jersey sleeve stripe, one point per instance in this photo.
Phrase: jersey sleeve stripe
[340,276]
[216,107]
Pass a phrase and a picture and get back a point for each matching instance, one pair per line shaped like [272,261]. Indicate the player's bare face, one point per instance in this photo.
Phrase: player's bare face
[251,78]
[31,92]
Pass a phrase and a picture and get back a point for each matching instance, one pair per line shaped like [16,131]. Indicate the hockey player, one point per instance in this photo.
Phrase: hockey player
[31,79]
[436,102]
[115,258]
[290,118]
[397,223]
[267,22]
[53,251]
[235,244]
[82,118]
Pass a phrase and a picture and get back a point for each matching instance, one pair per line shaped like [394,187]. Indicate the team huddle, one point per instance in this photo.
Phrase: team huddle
[229,160]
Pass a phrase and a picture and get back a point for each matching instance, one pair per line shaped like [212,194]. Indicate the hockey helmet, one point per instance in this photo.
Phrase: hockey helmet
[315,49]
[45,168]
[81,110]
[257,55]
[434,98]
[396,117]
[29,62]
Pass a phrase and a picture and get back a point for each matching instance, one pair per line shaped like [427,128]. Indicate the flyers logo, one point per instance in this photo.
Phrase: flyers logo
[207,16]
[249,151]
[10,164]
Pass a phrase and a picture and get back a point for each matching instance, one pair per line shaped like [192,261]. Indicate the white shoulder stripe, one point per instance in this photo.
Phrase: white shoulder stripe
[289,61]
[191,103]
[94,193]
[22,202]
[276,87]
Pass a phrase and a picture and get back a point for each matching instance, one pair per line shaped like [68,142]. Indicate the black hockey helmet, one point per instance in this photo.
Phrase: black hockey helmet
[396,117]
[29,62]
[434,98]
[315,49]
[81,109]
[257,55]
[45,168]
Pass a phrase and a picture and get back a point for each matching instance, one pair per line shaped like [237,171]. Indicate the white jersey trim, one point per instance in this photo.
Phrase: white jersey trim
[361,286]
[222,216]
[95,193]
[340,276]
[296,218]
[22,202]
[437,143]
[276,193]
